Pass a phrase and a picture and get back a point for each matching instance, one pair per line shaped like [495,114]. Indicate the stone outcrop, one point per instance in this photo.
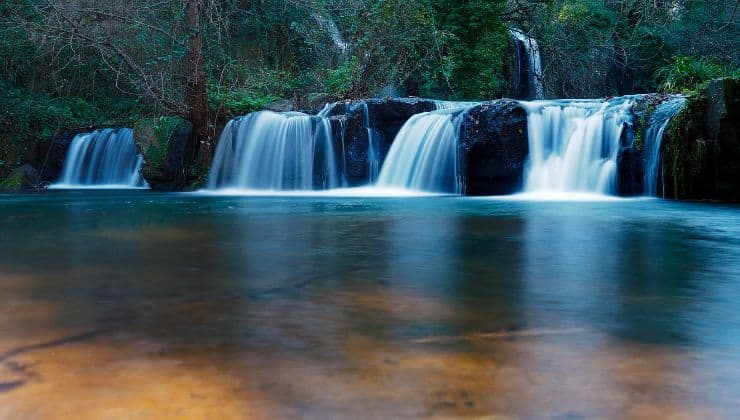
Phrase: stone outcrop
[164,143]
[24,177]
[701,147]
[493,148]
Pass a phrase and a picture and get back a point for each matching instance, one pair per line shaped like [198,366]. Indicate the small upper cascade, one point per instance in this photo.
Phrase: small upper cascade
[103,158]
[653,139]
[573,144]
[528,74]
[331,27]
[424,155]
[275,151]
[327,109]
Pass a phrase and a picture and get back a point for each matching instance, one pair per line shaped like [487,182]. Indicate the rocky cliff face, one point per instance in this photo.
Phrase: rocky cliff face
[701,149]
[493,148]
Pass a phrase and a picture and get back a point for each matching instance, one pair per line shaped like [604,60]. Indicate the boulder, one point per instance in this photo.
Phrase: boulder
[701,148]
[493,148]
[284,105]
[169,156]
[25,177]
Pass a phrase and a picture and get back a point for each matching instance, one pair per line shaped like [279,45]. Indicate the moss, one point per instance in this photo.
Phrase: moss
[644,109]
[638,143]
[684,148]
[153,136]
[13,182]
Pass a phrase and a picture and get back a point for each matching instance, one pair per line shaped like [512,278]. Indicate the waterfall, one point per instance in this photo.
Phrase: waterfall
[331,27]
[528,72]
[573,144]
[424,154]
[373,146]
[454,104]
[653,140]
[275,151]
[103,158]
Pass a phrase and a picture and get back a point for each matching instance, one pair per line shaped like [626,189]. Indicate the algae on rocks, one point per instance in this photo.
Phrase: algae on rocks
[169,156]
[24,177]
[701,151]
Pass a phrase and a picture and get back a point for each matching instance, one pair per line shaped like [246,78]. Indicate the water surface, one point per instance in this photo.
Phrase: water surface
[139,304]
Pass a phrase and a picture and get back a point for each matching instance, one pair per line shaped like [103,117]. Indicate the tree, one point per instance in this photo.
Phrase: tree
[147,50]
[196,101]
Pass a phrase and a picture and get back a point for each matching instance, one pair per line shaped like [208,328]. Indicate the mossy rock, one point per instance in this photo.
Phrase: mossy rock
[24,177]
[164,142]
[701,150]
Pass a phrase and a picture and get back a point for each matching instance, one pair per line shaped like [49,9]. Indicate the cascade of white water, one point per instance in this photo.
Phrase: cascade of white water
[653,139]
[373,146]
[103,158]
[573,144]
[528,72]
[271,151]
[424,155]
[331,27]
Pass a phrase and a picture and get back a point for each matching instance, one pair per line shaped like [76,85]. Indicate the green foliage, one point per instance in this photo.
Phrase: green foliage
[687,73]
[474,50]
[238,102]
[28,117]
[12,182]
[340,80]
[683,149]
[153,136]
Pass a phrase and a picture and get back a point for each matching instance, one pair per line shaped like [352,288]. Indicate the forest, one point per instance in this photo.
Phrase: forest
[68,63]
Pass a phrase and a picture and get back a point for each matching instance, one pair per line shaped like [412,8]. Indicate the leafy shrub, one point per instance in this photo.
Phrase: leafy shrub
[339,81]
[237,102]
[688,73]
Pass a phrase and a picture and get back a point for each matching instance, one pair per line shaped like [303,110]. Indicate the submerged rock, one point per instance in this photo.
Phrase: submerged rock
[493,148]
[168,156]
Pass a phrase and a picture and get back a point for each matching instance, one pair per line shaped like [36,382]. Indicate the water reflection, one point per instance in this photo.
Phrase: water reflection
[342,307]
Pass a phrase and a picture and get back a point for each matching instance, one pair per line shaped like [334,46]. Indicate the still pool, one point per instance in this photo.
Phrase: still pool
[140,305]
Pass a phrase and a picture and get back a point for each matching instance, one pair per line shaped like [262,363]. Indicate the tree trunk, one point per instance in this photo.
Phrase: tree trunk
[195,88]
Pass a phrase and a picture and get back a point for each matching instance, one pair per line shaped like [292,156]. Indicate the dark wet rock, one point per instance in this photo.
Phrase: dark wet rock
[351,134]
[284,105]
[25,177]
[169,156]
[313,103]
[701,148]
[493,148]
[631,157]
[630,172]
[50,154]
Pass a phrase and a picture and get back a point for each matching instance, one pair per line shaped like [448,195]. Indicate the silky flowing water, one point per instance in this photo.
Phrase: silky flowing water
[140,304]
